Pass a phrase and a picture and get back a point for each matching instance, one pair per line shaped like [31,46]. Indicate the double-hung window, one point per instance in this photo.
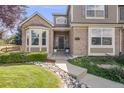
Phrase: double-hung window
[34,38]
[101,37]
[95,11]
[44,38]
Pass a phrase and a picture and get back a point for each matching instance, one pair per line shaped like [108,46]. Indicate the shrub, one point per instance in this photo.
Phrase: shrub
[115,74]
[20,57]
[120,59]
[36,56]
[13,57]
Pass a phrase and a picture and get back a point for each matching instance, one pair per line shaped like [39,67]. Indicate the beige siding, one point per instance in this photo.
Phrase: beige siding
[51,33]
[44,49]
[79,16]
[101,50]
[36,21]
[35,49]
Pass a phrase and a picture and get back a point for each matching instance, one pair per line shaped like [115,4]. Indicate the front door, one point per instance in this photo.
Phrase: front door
[61,42]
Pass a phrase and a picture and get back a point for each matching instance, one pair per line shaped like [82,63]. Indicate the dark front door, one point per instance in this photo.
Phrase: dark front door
[61,42]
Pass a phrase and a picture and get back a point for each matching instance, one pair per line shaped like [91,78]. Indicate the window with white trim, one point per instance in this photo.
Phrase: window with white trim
[95,11]
[101,36]
[61,20]
[34,38]
[28,37]
[44,38]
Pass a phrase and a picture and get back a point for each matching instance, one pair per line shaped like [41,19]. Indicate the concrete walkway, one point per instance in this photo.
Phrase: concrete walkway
[98,82]
[71,69]
[81,74]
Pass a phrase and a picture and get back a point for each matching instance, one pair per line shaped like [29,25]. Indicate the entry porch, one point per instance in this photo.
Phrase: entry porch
[61,41]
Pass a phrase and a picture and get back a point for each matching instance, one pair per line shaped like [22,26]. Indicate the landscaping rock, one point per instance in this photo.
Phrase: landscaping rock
[69,80]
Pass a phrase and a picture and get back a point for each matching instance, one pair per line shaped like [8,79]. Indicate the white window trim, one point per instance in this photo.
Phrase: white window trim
[40,39]
[101,46]
[60,18]
[94,16]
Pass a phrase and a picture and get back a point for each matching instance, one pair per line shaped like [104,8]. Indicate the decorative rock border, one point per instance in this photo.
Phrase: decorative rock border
[69,81]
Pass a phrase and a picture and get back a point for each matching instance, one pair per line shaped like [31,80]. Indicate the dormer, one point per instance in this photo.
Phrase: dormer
[60,20]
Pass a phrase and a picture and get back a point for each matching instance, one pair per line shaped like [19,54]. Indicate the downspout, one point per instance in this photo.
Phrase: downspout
[120,42]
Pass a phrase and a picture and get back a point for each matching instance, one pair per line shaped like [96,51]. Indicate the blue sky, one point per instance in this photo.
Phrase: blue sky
[46,10]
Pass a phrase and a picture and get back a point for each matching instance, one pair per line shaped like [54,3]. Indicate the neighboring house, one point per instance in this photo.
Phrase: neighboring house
[94,30]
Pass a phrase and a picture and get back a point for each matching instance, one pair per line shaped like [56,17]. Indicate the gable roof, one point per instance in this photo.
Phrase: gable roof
[36,13]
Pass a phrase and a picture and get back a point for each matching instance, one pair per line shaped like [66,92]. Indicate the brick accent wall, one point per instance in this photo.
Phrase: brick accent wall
[80,41]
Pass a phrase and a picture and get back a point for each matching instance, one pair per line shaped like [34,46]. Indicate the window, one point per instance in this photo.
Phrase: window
[61,20]
[44,38]
[96,41]
[121,12]
[101,36]
[35,37]
[27,37]
[95,11]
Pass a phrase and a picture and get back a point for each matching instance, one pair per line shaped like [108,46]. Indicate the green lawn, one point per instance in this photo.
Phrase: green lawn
[27,76]
[2,42]
[91,63]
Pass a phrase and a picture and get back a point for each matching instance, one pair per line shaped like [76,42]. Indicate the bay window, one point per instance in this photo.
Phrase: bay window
[95,11]
[36,38]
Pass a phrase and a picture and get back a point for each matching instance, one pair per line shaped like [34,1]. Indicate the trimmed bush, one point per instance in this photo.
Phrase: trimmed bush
[20,57]
[13,58]
[36,56]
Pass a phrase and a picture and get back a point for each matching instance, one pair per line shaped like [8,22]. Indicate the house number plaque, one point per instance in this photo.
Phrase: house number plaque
[77,38]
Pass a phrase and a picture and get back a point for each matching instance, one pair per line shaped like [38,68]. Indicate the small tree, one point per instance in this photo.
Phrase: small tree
[10,15]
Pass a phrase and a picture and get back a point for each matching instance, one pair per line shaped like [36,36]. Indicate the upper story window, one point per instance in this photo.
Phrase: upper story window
[61,20]
[121,12]
[95,11]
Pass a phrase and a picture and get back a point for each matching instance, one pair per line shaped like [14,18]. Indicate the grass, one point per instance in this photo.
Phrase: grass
[27,76]
[115,74]
[2,42]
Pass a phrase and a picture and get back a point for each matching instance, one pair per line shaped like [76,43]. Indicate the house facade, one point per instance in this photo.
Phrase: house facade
[93,30]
